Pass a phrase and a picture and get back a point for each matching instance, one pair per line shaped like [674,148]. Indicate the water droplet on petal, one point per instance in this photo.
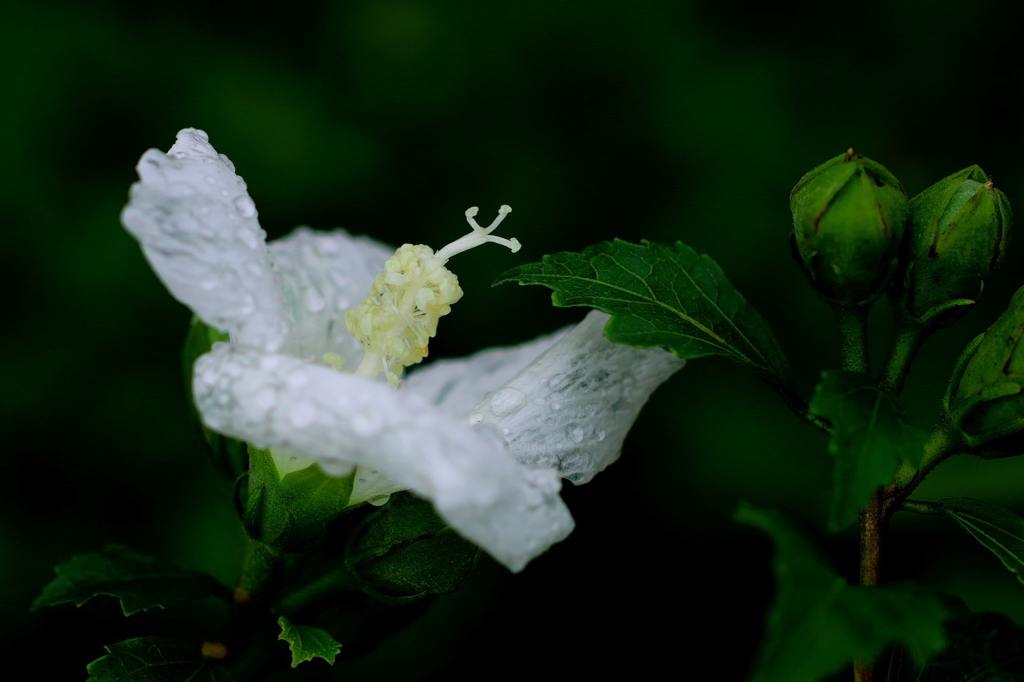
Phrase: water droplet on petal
[297,380]
[575,433]
[601,435]
[245,206]
[366,422]
[507,401]
[559,382]
[327,245]
[266,399]
[556,406]
[212,180]
[302,414]
[248,237]
[313,300]
[475,418]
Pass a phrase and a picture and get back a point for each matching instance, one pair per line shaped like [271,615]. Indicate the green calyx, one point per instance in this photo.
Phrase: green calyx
[291,512]
[985,400]
[957,234]
[848,220]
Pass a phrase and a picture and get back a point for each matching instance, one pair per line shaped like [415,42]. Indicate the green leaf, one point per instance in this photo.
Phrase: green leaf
[819,623]
[307,642]
[873,434]
[997,529]
[405,551]
[140,582]
[155,659]
[660,295]
[981,647]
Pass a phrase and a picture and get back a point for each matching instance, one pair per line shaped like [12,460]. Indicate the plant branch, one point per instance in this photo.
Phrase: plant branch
[853,338]
[906,341]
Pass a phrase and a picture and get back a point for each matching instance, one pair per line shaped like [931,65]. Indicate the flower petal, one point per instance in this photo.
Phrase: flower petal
[198,229]
[512,511]
[457,386]
[572,407]
[322,275]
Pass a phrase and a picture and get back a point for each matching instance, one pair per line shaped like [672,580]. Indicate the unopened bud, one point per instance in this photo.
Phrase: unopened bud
[957,233]
[848,217]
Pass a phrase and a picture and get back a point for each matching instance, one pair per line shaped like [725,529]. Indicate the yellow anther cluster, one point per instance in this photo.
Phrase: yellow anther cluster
[396,321]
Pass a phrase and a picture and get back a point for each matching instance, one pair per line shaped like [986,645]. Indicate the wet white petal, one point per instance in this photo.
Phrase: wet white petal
[457,386]
[198,229]
[512,511]
[323,274]
[571,409]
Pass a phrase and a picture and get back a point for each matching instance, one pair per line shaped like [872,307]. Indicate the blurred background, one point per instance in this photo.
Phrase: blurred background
[653,119]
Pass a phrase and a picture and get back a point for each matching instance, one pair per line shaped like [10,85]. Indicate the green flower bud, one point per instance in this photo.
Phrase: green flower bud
[957,233]
[985,400]
[848,216]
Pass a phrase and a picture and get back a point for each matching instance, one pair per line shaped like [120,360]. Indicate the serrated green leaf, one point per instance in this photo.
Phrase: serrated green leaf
[307,642]
[981,647]
[155,659]
[138,581]
[660,295]
[996,528]
[819,623]
[873,434]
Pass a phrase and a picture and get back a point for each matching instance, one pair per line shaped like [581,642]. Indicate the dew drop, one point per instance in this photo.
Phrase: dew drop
[575,433]
[248,237]
[601,435]
[559,382]
[266,399]
[556,406]
[475,418]
[302,414]
[507,401]
[212,180]
[297,380]
[366,422]
[326,245]
[313,300]
[245,206]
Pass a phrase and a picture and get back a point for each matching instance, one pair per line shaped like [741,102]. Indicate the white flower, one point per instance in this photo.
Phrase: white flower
[485,438]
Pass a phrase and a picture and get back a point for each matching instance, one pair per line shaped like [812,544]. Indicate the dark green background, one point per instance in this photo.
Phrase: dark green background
[647,119]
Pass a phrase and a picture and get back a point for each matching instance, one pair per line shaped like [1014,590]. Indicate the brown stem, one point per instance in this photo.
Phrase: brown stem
[873,519]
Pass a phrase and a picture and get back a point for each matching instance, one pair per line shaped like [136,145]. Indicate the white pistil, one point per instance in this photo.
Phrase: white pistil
[398,318]
[479,235]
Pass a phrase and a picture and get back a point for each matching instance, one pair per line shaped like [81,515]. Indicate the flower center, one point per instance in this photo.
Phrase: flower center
[396,321]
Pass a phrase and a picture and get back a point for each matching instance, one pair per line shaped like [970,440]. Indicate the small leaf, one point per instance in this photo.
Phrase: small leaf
[997,529]
[873,434]
[307,642]
[155,659]
[660,295]
[819,623]
[140,582]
